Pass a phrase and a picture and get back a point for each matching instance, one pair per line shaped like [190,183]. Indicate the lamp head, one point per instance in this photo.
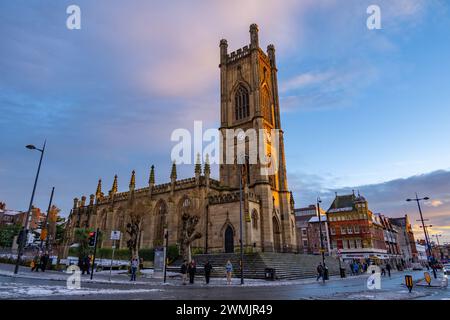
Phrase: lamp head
[31,147]
[426,198]
[408,200]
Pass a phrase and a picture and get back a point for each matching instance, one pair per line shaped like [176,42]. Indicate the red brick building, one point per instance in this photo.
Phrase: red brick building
[355,230]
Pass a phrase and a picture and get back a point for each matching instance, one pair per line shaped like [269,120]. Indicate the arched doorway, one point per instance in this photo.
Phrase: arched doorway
[229,240]
[276,235]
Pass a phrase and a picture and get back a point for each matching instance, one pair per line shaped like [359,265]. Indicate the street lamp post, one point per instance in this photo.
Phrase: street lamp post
[25,228]
[166,252]
[240,225]
[427,240]
[322,250]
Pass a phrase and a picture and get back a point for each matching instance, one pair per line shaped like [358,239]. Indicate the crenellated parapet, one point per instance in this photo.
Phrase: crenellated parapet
[231,197]
[238,54]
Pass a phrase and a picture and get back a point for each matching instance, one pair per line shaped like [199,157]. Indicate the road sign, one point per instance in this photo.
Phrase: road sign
[115,235]
[409,282]
[427,277]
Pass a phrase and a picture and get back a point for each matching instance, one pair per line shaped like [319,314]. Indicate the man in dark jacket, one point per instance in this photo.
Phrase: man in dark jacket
[44,261]
[319,271]
[192,269]
[207,267]
[388,268]
[183,271]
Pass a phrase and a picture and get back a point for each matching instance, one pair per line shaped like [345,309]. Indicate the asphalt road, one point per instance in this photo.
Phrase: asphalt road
[348,288]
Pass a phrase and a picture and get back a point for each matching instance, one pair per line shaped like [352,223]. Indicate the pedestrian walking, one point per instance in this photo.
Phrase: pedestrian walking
[85,264]
[388,268]
[229,270]
[35,263]
[319,271]
[44,261]
[192,269]
[383,271]
[207,268]
[183,270]
[134,266]
[38,262]
[352,268]
[355,269]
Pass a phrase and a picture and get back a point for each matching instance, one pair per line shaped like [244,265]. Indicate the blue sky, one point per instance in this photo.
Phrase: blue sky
[361,109]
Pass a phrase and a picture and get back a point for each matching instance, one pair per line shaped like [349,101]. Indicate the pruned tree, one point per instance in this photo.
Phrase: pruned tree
[188,234]
[134,230]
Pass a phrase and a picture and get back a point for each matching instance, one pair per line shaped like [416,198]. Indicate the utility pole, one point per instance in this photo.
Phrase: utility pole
[322,248]
[24,230]
[427,240]
[46,222]
[166,249]
[95,251]
[240,225]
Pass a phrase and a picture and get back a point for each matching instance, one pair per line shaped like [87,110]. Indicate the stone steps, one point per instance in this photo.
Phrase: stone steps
[286,265]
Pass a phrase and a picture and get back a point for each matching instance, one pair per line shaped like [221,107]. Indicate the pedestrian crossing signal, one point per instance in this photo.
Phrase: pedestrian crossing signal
[409,282]
[91,239]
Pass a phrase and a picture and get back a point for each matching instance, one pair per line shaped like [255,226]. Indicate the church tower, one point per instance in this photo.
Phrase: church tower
[250,105]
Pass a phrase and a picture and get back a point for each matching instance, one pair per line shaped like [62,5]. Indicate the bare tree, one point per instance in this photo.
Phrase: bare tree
[133,230]
[188,234]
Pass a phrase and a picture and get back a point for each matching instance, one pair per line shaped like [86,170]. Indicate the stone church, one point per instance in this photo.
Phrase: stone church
[249,99]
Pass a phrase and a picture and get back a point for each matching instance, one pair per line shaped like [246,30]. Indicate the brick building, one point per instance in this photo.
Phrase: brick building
[314,235]
[355,230]
[390,233]
[302,217]
[406,240]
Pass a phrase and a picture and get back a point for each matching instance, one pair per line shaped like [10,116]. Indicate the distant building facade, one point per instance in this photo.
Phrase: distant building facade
[390,233]
[406,240]
[11,217]
[302,217]
[314,230]
[354,230]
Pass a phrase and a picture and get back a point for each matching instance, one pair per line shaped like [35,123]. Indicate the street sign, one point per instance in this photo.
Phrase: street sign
[115,235]
[427,277]
[409,282]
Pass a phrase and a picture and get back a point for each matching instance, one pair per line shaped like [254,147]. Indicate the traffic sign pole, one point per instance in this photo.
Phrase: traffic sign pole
[112,258]
[95,251]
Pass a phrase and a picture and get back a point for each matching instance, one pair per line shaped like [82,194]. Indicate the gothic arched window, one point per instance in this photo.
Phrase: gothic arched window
[266,105]
[160,222]
[255,219]
[241,103]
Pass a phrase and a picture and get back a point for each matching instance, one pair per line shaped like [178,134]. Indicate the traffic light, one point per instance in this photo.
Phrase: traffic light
[44,233]
[91,239]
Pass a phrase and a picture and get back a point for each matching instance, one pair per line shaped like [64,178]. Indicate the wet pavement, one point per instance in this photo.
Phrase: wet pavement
[52,285]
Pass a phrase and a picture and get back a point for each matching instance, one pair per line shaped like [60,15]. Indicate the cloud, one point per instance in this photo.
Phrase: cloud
[387,197]
[108,96]
[436,203]
[335,87]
